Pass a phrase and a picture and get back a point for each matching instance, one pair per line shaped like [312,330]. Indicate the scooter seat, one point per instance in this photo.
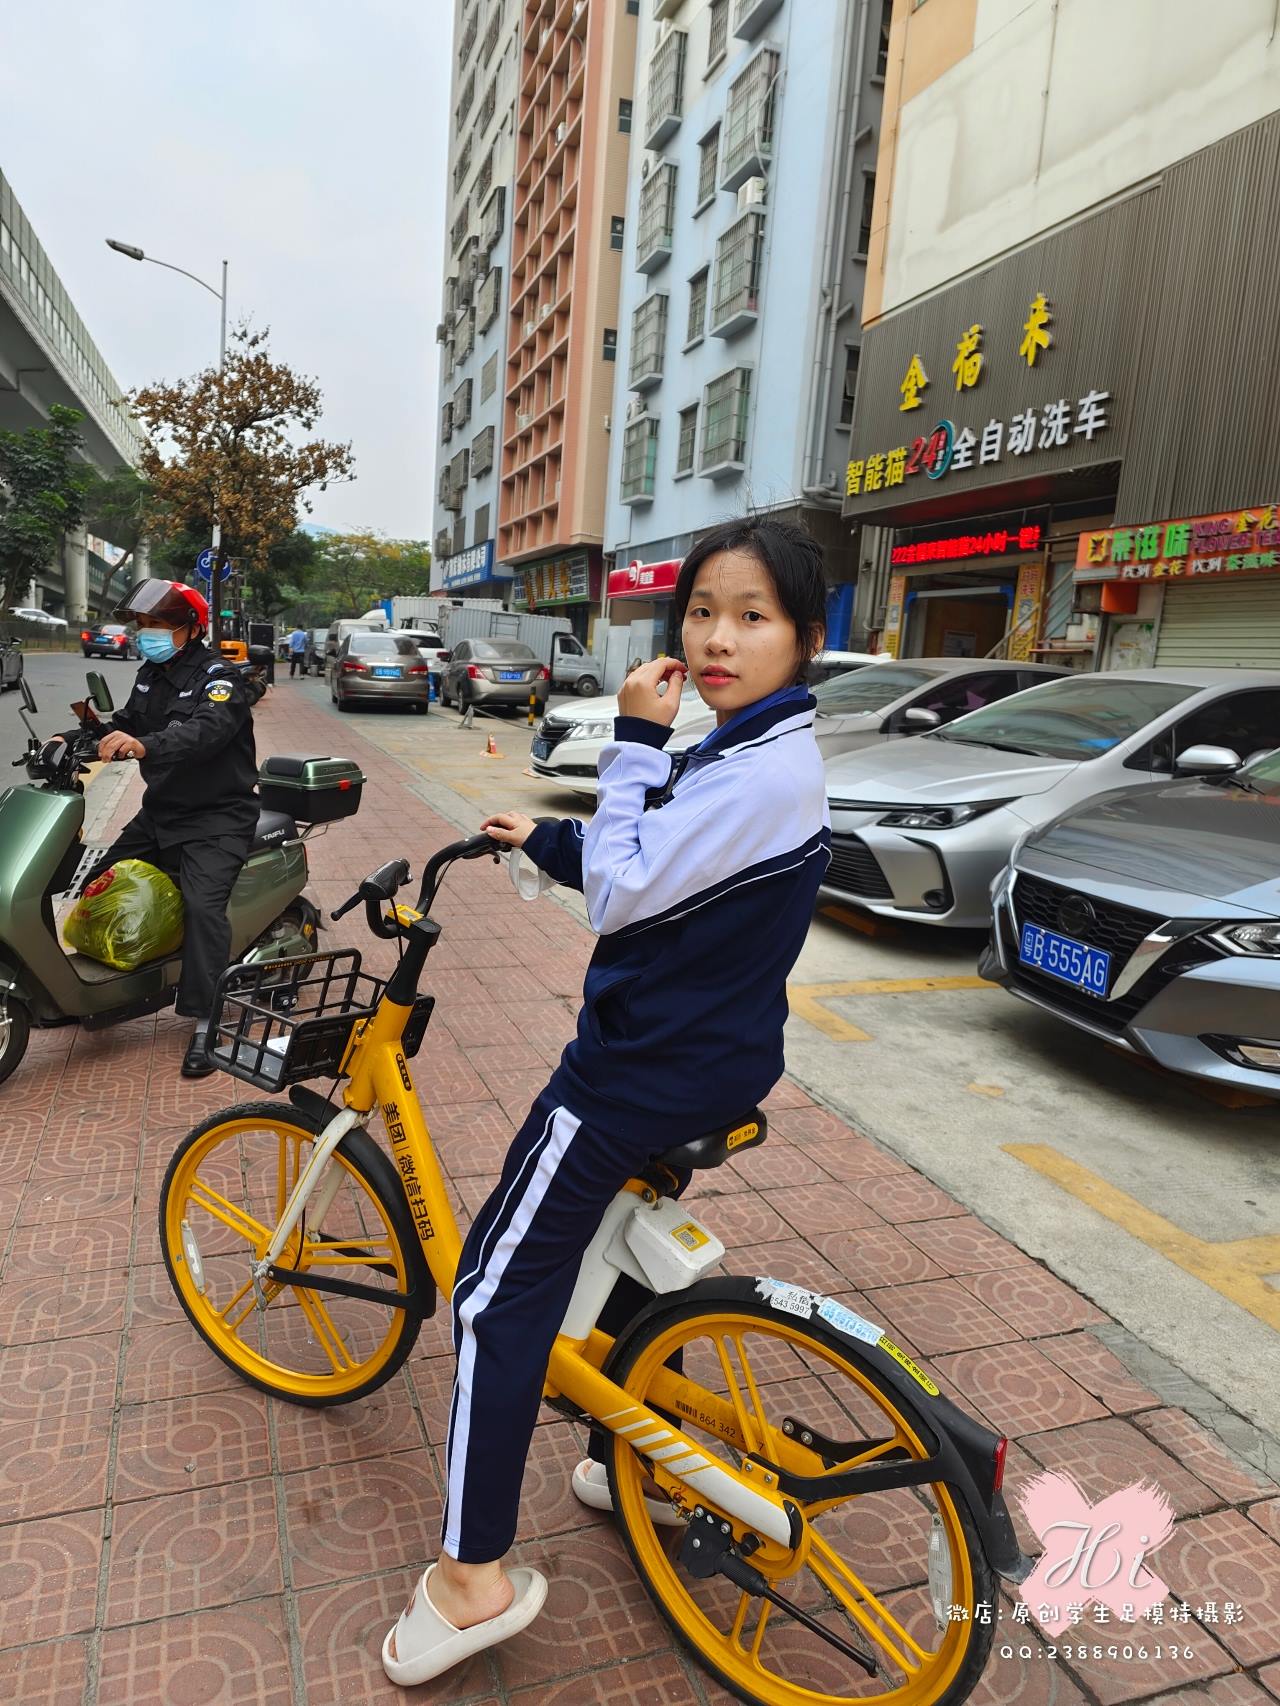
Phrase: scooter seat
[274,829]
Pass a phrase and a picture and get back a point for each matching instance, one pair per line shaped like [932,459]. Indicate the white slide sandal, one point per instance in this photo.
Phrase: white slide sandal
[591,1486]
[427,1644]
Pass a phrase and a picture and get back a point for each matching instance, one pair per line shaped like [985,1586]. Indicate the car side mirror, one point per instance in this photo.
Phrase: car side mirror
[917,719]
[28,697]
[100,693]
[1205,760]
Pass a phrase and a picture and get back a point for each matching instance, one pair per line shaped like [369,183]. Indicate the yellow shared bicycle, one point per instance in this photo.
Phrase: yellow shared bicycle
[843,1523]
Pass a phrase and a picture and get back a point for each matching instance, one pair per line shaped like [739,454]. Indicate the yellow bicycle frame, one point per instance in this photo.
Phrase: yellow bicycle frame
[379,1077]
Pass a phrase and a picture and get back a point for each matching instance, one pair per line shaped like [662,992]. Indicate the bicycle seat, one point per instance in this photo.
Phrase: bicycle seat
[717,1146]
[274,828]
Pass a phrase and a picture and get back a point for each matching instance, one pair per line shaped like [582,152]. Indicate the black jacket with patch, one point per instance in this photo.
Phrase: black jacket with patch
[194,716]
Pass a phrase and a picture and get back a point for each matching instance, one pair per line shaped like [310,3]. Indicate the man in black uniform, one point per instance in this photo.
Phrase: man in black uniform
[189,724]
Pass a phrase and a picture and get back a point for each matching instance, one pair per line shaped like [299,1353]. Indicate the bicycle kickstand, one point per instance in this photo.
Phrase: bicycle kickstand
[707,1550]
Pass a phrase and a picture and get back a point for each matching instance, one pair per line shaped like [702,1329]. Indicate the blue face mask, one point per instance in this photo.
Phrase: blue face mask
[156,645]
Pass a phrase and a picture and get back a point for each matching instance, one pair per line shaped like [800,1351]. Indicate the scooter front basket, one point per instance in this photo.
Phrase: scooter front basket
[282,1022]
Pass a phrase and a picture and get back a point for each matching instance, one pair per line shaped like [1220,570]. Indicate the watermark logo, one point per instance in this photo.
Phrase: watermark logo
[1093,1554]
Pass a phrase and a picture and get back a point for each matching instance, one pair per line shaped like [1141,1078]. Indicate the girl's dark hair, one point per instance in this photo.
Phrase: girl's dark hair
[795,563]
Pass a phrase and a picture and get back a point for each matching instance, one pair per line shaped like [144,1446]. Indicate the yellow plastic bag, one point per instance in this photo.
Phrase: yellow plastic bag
[132,913]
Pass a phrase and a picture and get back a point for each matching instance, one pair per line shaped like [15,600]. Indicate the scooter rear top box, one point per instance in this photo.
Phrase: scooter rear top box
[316,789]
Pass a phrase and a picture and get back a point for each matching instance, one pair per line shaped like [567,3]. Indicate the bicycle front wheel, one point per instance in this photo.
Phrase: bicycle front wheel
[224,1192]
[882,1570]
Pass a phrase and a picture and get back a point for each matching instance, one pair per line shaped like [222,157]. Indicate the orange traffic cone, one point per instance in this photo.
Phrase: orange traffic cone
[490,748]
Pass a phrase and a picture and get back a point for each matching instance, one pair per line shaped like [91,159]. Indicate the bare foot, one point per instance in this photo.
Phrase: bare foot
[467,1594]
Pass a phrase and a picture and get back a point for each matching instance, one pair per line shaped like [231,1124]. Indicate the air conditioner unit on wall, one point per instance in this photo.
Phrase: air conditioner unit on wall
[752,193]
[635,408]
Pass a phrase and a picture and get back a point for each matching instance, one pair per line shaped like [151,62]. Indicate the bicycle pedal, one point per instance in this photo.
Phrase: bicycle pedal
[708,1550]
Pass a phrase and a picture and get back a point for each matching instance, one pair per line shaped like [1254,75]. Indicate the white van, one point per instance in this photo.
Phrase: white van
[345,625]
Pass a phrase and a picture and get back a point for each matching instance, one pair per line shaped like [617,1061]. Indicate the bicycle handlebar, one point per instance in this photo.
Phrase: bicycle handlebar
[380,886]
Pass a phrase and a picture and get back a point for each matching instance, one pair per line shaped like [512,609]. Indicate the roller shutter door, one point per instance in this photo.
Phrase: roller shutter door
[1221,623]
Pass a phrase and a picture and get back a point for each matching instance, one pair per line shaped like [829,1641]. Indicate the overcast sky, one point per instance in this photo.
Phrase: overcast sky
[304,140]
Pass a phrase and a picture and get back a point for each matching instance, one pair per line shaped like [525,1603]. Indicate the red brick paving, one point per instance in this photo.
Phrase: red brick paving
[145,1491]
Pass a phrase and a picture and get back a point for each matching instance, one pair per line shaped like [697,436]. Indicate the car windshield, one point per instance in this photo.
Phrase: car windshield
[1263,775]
[502,651]
[869,689]
[385,645]
[420,638]
[1078,718]
[112,628]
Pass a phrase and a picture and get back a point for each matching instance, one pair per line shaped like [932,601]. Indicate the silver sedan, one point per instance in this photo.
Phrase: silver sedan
[922,829]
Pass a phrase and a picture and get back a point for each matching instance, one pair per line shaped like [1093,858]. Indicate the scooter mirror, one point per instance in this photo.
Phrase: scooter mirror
[99,692]
[28,697]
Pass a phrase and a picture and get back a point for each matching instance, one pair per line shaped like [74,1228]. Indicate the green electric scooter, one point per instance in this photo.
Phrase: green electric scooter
[43,857]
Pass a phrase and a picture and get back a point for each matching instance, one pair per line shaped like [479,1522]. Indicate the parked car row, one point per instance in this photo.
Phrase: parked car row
[1118,833]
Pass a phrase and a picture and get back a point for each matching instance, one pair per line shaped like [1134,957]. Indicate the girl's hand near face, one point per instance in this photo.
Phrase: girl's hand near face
[513,829]
[639,696]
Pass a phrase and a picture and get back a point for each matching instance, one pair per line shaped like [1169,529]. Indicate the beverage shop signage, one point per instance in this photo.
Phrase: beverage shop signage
[1240,541]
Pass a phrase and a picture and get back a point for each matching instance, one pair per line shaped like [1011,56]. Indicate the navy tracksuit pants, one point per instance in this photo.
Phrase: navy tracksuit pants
[516,1275]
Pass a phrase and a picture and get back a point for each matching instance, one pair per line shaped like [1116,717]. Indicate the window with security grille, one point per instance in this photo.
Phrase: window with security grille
[708,161]
[739,254]
[718,38]
[465,336]
[666,87]
[480,525]
[747,139]
[725,404]
[459,469]
[459,531]
[657,217]
[639,459]
[648,341]
[462,165]
[489,378]
[482,452]
[488,106]
[697,307]
[464,100]
[446,423]
[686,444]
[491,218]
[490,299]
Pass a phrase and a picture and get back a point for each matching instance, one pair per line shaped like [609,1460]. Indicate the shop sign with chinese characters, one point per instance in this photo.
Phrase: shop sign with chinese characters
[1242,541]
[995,544]
[566,580]
[644,580]
[951,447]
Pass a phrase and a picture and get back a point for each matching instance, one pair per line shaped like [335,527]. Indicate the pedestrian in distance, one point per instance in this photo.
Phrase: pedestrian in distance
[297,652]
[700,875]
[189,724]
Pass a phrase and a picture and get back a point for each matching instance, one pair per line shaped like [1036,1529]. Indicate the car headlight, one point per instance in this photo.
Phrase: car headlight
[938,817]
[1260,938]
[591,731]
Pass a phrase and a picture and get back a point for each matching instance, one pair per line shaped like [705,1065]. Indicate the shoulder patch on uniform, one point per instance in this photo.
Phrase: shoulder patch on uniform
[218,691]
[215,668]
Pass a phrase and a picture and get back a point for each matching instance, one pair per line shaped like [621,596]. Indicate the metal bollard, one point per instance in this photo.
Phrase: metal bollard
[533,705]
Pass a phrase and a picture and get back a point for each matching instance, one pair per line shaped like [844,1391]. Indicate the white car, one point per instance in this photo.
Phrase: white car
[570,739]
[28,613]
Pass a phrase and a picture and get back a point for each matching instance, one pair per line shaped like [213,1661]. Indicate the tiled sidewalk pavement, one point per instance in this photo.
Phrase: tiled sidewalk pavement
[166,1534]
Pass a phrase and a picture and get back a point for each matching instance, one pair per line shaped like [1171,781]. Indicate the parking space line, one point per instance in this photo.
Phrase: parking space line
[1235,1269]
[807,999]
[866,923]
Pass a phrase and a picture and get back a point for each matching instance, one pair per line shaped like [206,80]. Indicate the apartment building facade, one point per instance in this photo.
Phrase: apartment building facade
[1065,418]
[472,331]
[747,226]
[573,144]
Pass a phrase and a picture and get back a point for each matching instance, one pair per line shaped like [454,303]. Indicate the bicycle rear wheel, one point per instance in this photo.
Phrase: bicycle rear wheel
[870,1574]
[222,1196]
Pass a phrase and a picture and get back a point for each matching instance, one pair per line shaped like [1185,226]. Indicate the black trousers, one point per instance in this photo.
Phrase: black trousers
[204,872]
[297,661]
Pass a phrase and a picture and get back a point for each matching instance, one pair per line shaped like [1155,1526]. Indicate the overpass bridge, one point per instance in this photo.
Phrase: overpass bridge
[48,357]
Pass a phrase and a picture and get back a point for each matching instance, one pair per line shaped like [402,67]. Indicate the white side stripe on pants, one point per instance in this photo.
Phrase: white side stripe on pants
[563,1127]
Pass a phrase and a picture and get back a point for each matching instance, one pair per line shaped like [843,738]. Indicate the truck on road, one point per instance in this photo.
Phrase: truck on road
[573,668]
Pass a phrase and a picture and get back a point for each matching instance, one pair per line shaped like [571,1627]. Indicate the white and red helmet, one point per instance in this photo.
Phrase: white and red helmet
[167,601]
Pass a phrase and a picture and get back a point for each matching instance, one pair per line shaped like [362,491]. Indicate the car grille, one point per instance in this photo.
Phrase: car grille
[855,867]
[1117,930]
[553,733]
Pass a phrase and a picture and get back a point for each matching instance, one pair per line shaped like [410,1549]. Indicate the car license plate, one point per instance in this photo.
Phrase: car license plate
[392,674]
[1070,962]
[541,748]
[510,675]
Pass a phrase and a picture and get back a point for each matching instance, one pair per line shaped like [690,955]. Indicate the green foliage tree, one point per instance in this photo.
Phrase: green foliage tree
[354,570]
[42,494]
[119,507]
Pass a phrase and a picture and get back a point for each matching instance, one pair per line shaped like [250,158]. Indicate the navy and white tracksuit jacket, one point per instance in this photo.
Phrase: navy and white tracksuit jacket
[700,876]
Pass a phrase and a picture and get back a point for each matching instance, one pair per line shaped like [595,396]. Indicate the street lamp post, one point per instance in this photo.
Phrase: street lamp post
[134,253]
